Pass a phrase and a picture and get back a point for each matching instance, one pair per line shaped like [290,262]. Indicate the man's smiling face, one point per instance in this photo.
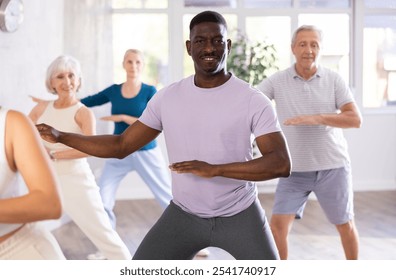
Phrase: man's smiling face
[208,47]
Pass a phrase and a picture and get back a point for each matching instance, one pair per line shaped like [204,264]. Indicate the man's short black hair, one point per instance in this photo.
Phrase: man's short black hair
[208,16]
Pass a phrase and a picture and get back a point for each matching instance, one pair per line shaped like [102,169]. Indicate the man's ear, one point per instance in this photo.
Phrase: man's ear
[188,47]
[229,44]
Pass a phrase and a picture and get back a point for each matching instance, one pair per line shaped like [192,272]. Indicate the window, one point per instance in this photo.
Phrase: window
[147,32]
[268,3]
[324,3]
[335,46]
[210,3]
[390,4]
[379,52]
[144,24]
[261,29]
[379,63]
[139,4]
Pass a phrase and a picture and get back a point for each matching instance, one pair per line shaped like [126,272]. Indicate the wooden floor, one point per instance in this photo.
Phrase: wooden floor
[312,238]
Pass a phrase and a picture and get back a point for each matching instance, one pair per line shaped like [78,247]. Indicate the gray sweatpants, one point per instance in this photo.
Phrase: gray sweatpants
[178,235]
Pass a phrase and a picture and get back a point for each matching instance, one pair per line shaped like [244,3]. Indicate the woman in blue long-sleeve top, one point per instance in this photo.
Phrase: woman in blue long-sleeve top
[128,101]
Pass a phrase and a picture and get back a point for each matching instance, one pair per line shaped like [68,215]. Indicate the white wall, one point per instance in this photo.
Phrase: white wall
[373,152]
[25,54]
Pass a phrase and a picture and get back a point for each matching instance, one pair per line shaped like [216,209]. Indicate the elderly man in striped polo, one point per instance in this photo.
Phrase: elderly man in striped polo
[314,104]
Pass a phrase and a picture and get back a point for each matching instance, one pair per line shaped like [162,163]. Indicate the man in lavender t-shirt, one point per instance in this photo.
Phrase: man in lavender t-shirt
[212,125]
[209,121]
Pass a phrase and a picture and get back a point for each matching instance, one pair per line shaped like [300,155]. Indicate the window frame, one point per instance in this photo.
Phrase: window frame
[356,12]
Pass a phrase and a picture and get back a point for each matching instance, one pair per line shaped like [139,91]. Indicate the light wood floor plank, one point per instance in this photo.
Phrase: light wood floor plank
[311,238]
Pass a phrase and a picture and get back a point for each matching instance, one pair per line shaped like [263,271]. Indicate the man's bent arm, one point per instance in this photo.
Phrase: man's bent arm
[349,117]
[274,163]
[106,146]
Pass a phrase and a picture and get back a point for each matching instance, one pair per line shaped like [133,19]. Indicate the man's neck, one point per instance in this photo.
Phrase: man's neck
[211,81]
[306,73]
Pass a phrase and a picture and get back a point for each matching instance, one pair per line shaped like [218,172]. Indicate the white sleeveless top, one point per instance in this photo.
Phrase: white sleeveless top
[61,119]
[9,186]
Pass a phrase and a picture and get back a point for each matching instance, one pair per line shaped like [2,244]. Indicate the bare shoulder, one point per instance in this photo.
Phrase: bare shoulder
[21,128]
[85,118]
[84,112]
[18,124]
[17,118]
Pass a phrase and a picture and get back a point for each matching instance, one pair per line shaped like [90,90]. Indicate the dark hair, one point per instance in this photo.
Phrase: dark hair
[208,16]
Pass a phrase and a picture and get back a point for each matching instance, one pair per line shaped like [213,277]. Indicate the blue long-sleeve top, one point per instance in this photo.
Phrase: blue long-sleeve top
[120,105]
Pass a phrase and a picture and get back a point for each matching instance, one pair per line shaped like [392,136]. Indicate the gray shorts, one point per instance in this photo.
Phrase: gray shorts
[333,189]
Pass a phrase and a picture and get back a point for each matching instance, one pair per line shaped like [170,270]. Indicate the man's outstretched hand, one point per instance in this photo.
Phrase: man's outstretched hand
[48,133]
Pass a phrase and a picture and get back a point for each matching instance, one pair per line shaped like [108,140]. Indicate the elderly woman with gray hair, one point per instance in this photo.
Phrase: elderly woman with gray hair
[79,191]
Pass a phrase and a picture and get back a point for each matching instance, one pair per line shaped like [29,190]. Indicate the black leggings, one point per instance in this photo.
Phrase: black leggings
[178,235]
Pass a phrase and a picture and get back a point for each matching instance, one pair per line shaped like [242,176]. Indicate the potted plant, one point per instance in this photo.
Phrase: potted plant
[251,61]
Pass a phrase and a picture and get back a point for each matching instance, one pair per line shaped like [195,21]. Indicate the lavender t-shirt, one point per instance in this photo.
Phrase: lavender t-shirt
[215,125]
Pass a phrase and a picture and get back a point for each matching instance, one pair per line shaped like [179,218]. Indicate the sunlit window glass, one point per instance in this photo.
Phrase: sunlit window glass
[262,29]
[379,63]
[380,4]
[335,45]
[268,3]
[210,3]
[138,31]
[140,4]
[324,3]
